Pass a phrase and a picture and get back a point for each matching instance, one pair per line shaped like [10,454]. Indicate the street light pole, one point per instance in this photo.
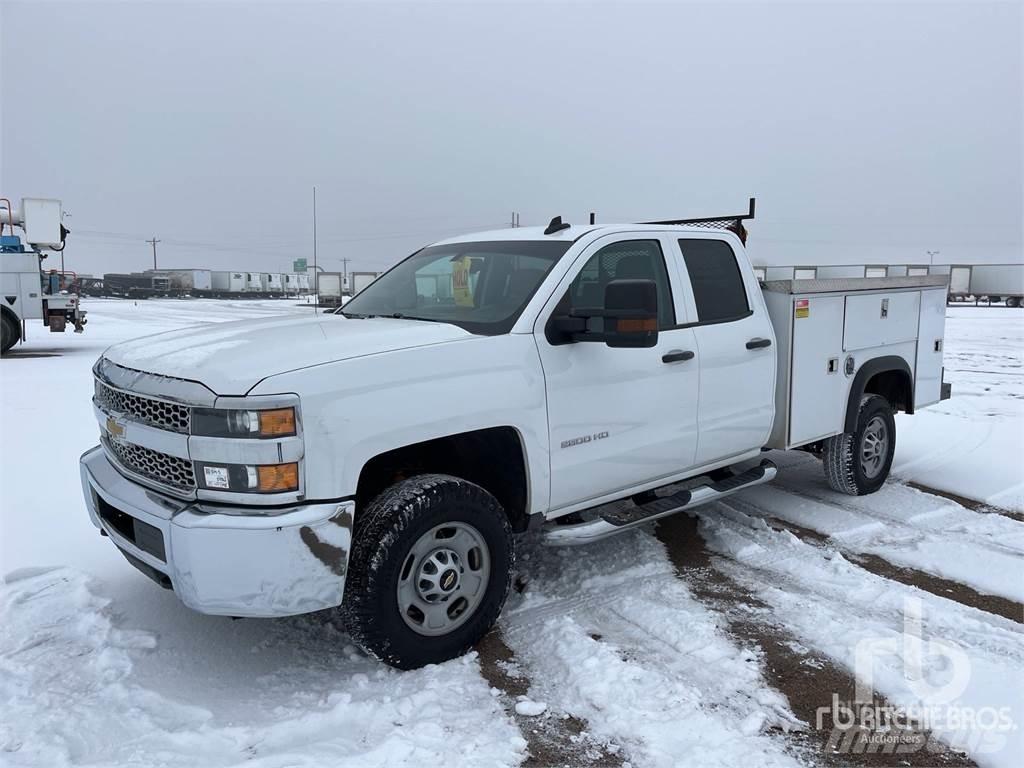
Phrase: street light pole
[316,273]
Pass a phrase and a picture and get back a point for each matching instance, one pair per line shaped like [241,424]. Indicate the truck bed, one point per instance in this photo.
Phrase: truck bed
[825,328]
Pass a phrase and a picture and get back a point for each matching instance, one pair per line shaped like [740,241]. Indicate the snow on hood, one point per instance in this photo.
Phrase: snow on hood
[231,358]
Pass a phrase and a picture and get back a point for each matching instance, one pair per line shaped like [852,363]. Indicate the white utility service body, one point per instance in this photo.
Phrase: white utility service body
[542,420]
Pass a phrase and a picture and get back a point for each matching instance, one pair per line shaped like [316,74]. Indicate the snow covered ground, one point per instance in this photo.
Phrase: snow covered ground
[665,646]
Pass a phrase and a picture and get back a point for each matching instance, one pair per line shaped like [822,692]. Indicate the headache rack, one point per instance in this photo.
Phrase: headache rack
[732,223]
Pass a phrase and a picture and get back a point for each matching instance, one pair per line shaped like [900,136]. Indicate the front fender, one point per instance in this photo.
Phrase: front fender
[359,408]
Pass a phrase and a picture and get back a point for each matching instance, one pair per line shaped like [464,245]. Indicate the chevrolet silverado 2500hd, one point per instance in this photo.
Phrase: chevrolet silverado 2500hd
[574,380]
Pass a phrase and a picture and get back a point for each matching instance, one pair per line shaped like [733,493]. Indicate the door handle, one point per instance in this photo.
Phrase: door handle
[677,355]
[759,343]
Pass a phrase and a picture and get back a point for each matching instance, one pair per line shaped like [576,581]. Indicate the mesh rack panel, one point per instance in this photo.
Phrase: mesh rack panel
[155,413]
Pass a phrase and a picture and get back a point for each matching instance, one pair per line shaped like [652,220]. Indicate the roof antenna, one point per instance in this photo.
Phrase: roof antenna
[556,225]
[593,218]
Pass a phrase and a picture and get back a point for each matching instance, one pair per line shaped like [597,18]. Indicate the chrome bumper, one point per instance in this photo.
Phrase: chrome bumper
[255,564]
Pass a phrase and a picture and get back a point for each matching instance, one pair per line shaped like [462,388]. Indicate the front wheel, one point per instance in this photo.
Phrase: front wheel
[859,463]
[429,572]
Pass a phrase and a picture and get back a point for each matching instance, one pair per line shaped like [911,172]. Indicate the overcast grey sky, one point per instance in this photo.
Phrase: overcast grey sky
[866,131]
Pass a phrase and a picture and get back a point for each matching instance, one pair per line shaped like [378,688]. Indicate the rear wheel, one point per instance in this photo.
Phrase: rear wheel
[9,332]
[429,571]
[859,463]
[1013,301]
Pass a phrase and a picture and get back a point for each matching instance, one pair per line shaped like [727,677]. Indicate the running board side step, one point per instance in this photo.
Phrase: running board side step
[623,515]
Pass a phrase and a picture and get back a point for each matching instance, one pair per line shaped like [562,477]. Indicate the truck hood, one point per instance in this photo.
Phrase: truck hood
[231,358]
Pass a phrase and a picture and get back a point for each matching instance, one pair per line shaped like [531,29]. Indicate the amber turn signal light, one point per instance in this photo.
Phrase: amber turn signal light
[278,477]
[279,422]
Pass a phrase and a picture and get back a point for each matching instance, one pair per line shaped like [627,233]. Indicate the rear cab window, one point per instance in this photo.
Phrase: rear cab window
[716,279]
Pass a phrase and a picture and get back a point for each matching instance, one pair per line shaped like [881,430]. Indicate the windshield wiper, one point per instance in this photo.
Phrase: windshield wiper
[400,316]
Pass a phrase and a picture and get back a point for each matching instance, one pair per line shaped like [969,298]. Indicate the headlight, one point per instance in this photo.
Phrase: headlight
[222,422]
[248,478]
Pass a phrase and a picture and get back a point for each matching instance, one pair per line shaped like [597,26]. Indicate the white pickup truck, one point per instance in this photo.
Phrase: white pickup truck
[573,380]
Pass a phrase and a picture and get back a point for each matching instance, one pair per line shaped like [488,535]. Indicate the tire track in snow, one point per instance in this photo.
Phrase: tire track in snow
[552,739]
[808,680]
[794,489]
[609,633]
[963,501]
[986,633]
[878,565]
[835,605]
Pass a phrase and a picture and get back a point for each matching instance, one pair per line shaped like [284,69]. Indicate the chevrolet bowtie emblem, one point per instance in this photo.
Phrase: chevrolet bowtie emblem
[115,429]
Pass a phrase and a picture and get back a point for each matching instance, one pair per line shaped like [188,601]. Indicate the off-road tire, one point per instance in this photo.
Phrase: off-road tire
[842,455]
[9,332]
[385,533]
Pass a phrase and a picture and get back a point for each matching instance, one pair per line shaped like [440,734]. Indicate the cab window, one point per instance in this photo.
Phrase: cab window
[628,260]
[716,280]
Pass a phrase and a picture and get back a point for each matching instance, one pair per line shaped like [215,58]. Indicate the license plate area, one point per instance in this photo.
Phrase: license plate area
[146,537]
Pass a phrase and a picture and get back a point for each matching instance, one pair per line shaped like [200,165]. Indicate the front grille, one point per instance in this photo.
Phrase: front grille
[155,465]
[155,413]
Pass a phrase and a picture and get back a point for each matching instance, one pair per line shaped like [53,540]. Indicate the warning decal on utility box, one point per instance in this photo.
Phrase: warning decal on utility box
[803,308]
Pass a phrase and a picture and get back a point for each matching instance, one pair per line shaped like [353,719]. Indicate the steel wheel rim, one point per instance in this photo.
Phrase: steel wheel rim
[874,447]
[443,579]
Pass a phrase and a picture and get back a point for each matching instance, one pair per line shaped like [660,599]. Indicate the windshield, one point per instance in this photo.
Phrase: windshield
[481,287]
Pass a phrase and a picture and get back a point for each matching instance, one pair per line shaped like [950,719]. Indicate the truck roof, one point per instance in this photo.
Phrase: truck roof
[572,232]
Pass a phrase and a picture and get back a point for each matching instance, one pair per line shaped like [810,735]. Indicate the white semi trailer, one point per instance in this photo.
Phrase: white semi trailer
[181,282]
[359,280]
[274,283]
[992,282]
[26,296]
[228,283]
[329,289]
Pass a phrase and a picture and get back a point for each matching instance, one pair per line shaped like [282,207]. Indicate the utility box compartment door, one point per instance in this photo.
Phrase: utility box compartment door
[817,384]
[877,319]
[928,373]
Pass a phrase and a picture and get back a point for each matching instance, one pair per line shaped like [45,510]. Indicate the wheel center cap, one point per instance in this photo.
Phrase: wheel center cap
[449,579]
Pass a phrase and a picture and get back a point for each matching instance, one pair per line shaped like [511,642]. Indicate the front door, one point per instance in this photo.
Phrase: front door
[618,417]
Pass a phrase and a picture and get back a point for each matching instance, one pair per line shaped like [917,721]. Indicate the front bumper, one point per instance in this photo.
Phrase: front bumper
[256,564]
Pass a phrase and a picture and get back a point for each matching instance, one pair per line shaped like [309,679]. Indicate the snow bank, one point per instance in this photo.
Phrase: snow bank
[68,698]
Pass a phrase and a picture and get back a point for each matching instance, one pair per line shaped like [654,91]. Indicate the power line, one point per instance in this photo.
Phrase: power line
[243,248]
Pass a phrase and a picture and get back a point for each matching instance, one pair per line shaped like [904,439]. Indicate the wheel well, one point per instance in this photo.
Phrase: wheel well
[887,376]
[894,386]
[492,458]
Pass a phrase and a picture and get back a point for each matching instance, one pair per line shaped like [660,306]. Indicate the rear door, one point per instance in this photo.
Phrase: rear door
[735,350]
[618,418]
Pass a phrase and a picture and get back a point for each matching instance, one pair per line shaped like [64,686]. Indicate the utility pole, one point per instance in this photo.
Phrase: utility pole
[153,242]
[344,272]
[316,272]
[931,257]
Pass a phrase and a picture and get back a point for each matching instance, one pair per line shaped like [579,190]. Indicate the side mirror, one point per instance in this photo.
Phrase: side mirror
[631,313]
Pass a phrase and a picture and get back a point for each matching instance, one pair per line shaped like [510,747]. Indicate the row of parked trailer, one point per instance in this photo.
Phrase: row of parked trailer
[197,282]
